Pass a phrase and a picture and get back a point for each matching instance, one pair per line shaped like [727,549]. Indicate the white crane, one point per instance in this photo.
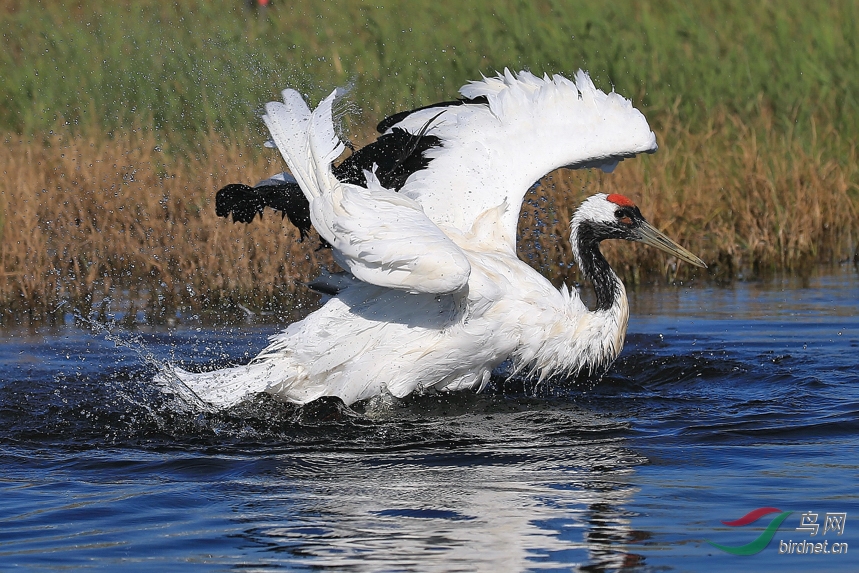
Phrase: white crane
[436,297]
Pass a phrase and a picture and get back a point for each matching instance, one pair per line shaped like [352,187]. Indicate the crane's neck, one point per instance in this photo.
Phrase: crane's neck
[585,239]
[570,338]
[598,334]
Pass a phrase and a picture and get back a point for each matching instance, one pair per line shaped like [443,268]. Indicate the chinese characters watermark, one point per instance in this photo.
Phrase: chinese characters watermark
[833,522]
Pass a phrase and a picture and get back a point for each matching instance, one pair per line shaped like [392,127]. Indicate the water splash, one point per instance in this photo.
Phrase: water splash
[165,378]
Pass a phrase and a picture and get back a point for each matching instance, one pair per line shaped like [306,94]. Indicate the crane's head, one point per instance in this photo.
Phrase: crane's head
[614,216]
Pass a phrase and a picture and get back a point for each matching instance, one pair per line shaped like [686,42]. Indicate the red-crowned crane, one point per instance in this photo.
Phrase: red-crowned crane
[436,297]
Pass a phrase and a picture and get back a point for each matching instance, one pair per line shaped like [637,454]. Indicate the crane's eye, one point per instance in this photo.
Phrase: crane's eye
[624,217]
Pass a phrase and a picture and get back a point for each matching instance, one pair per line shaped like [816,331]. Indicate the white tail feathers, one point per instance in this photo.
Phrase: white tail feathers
[221,388]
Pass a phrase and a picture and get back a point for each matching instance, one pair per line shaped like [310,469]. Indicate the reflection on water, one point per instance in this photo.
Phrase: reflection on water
[725,399]
[450,511]
[507,489]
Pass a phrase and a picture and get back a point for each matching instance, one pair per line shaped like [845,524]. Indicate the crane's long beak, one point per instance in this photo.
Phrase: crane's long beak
[650,235]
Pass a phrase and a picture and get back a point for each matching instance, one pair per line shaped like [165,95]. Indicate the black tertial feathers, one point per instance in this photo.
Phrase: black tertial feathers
[396,154]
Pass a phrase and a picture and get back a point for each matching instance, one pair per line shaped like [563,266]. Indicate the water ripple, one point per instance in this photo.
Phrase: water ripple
[706,415]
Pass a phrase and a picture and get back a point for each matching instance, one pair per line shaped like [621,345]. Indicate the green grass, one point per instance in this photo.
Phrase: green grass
[190,67]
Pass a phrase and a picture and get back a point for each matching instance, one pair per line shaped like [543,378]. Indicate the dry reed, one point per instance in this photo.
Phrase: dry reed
[89,222]
[92,225]
[749,205]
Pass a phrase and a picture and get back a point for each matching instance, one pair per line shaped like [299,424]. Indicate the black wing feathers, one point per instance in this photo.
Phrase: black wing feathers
[396,155]
[244,203]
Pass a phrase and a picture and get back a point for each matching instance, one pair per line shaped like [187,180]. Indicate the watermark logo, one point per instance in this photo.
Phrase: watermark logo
[833,522]
[763,539]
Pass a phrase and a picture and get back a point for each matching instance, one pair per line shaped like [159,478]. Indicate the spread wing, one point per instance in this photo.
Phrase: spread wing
[508,132]
[381,237]
[463,160]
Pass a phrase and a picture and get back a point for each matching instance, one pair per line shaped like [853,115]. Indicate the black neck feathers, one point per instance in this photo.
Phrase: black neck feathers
[593,265]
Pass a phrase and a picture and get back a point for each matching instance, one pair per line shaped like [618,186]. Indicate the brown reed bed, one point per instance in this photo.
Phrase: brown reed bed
[88,226]
[118,222]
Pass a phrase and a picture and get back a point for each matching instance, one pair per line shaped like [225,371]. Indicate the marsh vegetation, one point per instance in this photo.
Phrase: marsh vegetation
[120,121]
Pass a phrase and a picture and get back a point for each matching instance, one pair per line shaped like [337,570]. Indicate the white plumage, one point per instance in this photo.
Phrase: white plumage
[439,298]
[530,127]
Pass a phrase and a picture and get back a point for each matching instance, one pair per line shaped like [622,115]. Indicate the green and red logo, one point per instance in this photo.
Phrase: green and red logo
[763,539]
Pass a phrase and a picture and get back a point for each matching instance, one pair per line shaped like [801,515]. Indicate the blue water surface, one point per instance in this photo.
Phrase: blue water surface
[725,399]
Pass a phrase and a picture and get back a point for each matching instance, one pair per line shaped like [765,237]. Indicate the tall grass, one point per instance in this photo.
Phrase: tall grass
[118,122]
[94,223]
